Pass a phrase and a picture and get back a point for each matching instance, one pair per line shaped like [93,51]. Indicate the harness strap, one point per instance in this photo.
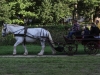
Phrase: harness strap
[18,30]
[25,31]
[18,34]
[32,36]
[24,35]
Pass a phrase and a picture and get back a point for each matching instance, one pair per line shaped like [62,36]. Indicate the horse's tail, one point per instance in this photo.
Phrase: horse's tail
[50,40]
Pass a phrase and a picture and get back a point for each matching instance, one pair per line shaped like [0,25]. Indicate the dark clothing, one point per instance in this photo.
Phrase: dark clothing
[86,33]
[75,28]
[94,31]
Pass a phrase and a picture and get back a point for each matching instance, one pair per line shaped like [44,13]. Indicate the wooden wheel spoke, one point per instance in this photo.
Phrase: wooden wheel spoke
[70,49]
[91,48]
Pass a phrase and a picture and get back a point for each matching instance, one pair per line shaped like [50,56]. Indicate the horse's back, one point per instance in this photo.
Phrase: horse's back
[37,31]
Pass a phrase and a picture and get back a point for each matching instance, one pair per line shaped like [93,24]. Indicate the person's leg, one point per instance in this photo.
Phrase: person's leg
[70,34]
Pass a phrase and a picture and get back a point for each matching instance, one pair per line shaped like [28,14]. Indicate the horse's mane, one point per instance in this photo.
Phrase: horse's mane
[15,25]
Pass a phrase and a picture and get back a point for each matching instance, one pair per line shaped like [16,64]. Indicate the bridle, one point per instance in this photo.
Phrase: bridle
[4,29]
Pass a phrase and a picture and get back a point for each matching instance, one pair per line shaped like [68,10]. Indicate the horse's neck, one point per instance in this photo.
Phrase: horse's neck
[13,29]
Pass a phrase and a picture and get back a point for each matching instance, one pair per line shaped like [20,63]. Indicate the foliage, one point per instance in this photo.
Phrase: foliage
[5,11]
[45,11]
[60,10]
[87,7]
[22,9]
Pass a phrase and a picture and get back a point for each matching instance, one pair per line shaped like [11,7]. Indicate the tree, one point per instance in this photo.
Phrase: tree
[5,11]
[88,7]
[44,11]
[52,10]
[59,11]
[22,9]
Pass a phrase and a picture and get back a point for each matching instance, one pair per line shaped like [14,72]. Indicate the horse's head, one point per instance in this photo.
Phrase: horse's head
[4,30]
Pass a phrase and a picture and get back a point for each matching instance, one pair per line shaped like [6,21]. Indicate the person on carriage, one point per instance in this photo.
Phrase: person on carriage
[75,28]
[97,22]
[86,32]
[94,31]
[92,34]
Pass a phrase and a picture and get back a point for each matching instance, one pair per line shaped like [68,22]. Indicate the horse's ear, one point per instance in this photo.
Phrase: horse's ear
[2,22]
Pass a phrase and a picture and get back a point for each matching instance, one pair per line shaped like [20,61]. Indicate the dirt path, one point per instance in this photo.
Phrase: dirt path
[43,55]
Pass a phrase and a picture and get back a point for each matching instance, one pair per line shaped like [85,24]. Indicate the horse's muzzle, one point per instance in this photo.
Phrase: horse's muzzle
[3,35]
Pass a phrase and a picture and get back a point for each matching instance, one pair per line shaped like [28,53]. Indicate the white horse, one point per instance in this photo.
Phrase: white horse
[23,35]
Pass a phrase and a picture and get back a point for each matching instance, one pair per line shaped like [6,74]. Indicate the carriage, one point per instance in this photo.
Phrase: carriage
[91,45]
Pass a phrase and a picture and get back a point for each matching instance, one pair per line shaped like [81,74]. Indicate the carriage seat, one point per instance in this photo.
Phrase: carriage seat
[97,37]
[68,41]
[78,35]
[91,38]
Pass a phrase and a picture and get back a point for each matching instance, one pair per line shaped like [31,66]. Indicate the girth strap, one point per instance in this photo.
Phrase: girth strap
[25,31]
[23,35]
[18,34]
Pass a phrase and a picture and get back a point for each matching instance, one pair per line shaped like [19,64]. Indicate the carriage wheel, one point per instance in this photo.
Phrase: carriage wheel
[91,48]
[59,47]
[70,49]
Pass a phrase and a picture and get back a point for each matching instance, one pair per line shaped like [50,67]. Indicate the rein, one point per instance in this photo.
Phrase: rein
[24,35]
[17,31]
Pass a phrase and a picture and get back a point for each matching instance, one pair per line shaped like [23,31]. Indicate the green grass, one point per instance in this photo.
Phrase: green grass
[69,65]
[33,50]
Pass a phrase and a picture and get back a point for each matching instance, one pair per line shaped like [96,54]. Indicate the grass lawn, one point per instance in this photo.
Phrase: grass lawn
[32,50]
[69,65]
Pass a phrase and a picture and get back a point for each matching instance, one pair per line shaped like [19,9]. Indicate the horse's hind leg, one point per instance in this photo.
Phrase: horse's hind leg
[52,48]
[26,52]
[42,50]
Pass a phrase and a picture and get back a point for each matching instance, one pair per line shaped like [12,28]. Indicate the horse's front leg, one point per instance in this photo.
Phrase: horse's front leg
[42,50]
[26,52]
[15,45]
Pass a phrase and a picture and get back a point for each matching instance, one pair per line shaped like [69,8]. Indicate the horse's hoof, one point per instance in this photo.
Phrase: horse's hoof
[54,53]
[39,54]
[25,54]
[14,54]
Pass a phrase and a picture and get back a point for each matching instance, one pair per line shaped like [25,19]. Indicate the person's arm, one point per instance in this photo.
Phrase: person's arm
[78,27]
